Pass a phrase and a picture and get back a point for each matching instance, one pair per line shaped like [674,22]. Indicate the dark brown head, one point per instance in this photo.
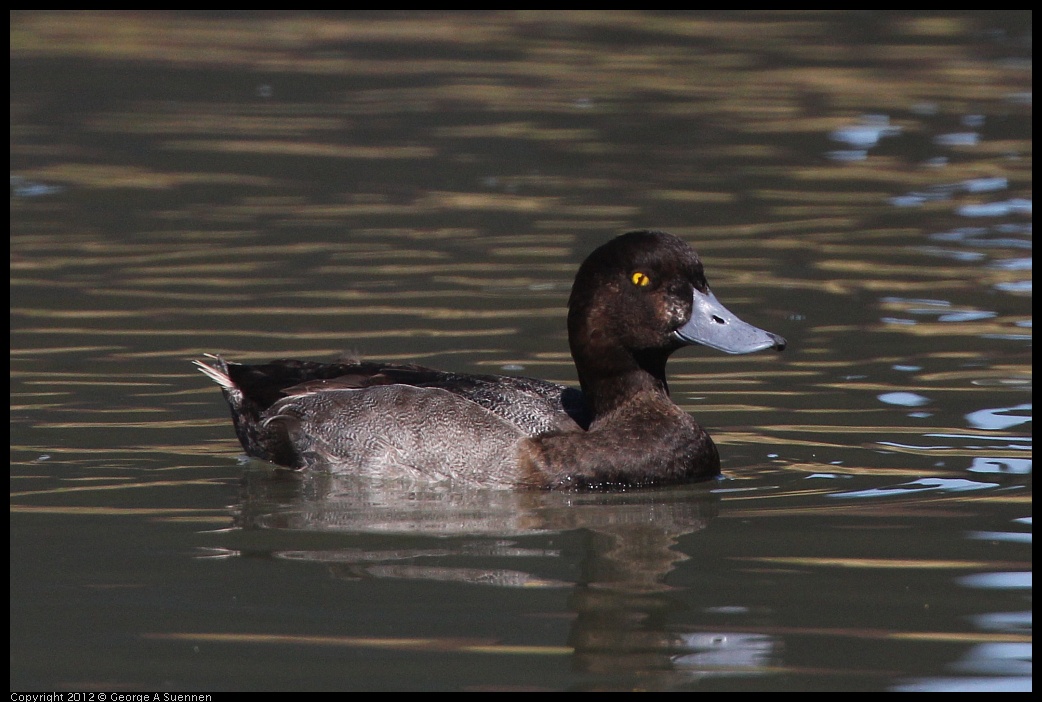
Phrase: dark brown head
[643,295]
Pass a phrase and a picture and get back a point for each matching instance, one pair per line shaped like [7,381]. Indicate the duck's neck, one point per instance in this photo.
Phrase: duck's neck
[612,378]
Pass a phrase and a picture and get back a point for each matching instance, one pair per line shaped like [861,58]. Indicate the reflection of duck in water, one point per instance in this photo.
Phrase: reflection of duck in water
[612,559]
[635,301]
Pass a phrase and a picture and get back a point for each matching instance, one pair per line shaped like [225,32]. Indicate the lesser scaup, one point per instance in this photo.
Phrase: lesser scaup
[635,300]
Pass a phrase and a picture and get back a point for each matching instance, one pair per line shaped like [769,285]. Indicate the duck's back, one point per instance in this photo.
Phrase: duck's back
[391,419]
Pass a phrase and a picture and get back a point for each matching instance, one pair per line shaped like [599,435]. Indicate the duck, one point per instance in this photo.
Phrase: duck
[635,301]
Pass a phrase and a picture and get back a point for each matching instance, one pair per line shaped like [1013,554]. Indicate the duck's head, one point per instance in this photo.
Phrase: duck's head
[644,295]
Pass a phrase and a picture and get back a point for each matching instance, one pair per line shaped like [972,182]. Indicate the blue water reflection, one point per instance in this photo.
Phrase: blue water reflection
[905,399]
[1020,684]
[866,134]
[998,418]
[1012,466]
[1017,580]
[978,236]
[1012,264]
[1004,621]
[946,191]
[861,137]
[943,310]
[1010,536]
[917,486]
[1015,205]
[1000,666]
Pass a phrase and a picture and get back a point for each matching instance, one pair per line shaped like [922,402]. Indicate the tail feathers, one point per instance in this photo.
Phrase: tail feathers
[262,438]
[218,372]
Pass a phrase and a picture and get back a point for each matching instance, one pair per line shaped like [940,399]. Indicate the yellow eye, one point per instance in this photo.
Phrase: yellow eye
[640,279]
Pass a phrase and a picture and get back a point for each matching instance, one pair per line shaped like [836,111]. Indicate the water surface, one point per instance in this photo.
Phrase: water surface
[421,187]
